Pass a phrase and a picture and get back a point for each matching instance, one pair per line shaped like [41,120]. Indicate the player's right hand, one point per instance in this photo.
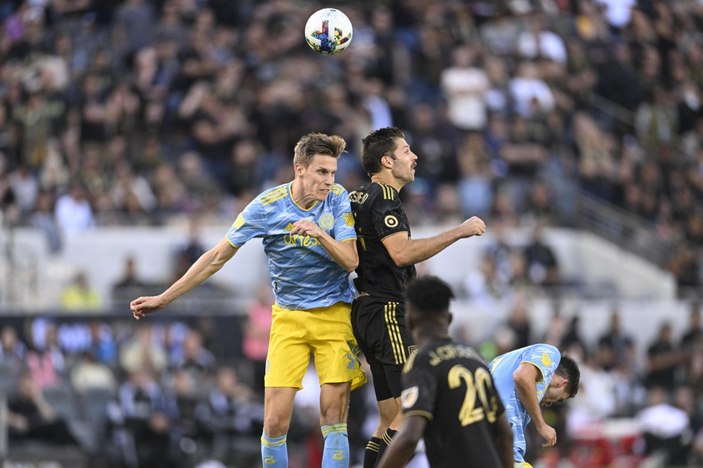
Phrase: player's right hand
[474,226]
[144,305]
[549,435]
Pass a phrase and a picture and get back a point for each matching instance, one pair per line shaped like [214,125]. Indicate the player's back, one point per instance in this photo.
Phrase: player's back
[462,427]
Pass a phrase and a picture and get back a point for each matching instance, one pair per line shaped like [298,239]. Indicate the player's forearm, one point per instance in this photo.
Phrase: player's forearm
[527,394]
[342,252]
[418,250]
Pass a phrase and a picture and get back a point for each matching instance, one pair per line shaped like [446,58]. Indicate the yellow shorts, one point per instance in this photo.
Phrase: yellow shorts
[326,333]
[522,465]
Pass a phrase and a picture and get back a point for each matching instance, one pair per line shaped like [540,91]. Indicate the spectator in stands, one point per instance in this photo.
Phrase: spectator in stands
[140,421]
[46,362]
[465,85]
[32,418]
[616,346]
[13,351]
[542,263]
[666,429]
[231,410]
[187,433]
[143,352]
[129,283]
[256,333]
[195,357]
[87,373]
[73,211]
[43,219]
[101,342]
[80,296]
[664,360]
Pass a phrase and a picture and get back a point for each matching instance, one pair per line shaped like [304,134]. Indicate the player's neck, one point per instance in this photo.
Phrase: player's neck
[300,197]
[387,178]
[425,336]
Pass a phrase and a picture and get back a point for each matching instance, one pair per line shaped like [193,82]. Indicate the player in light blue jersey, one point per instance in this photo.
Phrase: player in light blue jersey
[308,234]
[527,378]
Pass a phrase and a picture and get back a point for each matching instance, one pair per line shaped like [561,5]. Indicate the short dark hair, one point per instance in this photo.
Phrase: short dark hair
[428,295]
[568,369]
[377,144]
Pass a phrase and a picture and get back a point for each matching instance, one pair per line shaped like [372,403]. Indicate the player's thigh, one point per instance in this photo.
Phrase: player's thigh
[335,350]
[381,330]
[289,351]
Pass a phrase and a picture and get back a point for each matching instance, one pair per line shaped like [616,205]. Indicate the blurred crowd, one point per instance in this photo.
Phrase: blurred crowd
[182,391]
[134,112]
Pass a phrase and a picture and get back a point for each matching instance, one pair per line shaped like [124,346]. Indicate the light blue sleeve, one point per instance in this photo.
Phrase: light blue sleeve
[250,223]
[545,357]
[343,218]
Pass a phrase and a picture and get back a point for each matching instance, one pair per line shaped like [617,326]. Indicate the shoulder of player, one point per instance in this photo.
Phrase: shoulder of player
[272,195]
[337,190]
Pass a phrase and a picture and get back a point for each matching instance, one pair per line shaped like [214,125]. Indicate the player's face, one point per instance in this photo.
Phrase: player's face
[317,179]
[554,395]
[404,162]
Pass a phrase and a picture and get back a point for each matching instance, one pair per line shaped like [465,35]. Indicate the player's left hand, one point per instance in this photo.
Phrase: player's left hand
[306,227]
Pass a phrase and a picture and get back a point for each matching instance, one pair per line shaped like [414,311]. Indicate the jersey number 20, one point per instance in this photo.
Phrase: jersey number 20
[476,383]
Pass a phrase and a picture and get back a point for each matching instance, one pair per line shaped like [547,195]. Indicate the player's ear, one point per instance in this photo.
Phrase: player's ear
[298,168]
[386,160]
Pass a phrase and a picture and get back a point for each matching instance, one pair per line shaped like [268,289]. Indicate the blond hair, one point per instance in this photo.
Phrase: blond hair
[317,143]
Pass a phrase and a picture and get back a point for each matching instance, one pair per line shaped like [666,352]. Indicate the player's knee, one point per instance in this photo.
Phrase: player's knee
[276,425]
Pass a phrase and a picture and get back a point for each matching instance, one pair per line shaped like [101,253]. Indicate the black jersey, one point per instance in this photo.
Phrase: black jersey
[451,386]
[378,213]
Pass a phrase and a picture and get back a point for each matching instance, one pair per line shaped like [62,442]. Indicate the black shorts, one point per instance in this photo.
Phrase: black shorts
[380,330]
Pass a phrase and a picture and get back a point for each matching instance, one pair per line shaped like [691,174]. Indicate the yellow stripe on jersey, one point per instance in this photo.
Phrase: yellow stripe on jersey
[388,192]
[273,194]
[394,332]
[267,200]
[337,189]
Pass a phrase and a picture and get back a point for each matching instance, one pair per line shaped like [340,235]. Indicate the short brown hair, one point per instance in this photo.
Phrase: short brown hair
[317,143]
[376,145]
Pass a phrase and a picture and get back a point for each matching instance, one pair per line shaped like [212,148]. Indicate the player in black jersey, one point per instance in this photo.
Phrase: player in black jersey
[449,397]
[387,258]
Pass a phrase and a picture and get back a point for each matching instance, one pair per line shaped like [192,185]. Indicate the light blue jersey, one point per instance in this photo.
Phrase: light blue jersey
[543,356]
[303,275]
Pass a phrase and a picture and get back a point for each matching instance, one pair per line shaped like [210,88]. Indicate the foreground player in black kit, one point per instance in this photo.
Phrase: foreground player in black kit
[387,258]
[448,393]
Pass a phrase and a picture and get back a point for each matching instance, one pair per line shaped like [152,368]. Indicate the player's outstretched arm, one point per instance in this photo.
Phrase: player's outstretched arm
[405,251]
[342,252]
[404,443]
[526,376]
[207,265]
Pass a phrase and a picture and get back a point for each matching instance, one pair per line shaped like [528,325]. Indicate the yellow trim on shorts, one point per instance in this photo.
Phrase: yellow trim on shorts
[389,314]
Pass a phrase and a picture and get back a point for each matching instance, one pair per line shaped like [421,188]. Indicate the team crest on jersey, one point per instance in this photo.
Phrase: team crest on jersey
[412,349]
[390,221]
[239,222]
[546,362]
[326,221]
[349,219]
[409,396]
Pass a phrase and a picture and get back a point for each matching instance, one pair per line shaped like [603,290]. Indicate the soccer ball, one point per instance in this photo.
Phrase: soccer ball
[328,31]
